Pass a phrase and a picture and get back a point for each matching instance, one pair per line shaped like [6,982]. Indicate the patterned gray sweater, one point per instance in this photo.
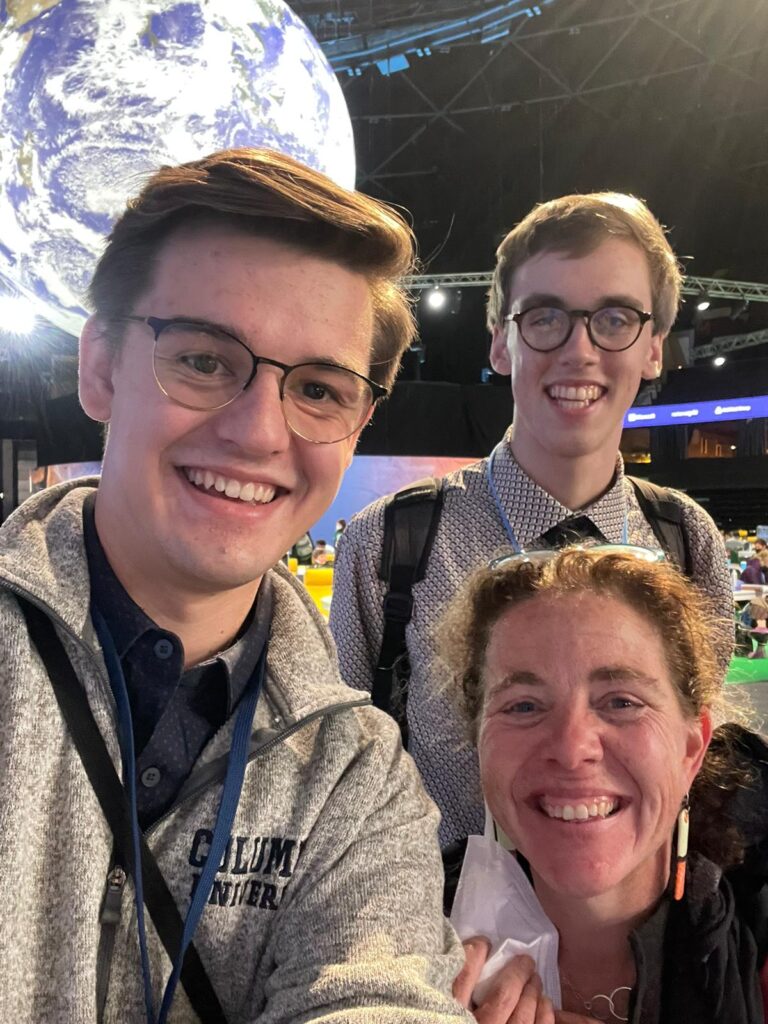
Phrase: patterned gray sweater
[327,905]
[470,533]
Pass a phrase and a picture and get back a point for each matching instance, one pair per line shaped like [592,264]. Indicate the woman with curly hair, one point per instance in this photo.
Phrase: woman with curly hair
[589,685]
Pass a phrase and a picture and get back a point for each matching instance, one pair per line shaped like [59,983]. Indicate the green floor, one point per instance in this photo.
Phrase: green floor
[748,670]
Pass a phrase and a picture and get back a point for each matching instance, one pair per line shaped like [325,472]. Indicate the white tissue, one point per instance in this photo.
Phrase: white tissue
[495,899]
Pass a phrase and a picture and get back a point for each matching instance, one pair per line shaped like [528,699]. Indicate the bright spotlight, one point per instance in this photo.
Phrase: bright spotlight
[703,302]
[436,298]
[17,315]
[718,360]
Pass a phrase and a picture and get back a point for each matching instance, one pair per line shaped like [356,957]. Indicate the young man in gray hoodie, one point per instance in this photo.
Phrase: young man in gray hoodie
[247,316]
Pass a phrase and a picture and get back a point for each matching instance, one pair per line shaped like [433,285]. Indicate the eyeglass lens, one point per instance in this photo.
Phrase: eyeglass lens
[201,369]
[613,327]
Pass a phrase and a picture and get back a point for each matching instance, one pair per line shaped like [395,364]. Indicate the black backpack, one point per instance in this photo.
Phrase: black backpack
[411,519]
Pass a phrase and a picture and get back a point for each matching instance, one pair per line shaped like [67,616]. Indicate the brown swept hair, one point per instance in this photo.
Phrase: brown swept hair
[270,195]
[576,225]
[680,613]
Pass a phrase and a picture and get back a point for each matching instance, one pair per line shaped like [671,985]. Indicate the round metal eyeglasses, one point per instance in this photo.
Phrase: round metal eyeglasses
[203,367]
[611,328]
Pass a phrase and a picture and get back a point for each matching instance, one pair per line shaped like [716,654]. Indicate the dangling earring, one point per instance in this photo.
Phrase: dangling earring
[683,820]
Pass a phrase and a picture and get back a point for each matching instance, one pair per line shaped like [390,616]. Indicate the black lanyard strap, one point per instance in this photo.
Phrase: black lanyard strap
[109,790]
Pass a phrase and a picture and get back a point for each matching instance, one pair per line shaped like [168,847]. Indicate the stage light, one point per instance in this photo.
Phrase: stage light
[436,298]
[17,315]
[702,302]
[718,361]
[733,447]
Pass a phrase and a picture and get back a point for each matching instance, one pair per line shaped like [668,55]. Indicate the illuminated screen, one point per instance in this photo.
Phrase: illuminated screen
[697,412]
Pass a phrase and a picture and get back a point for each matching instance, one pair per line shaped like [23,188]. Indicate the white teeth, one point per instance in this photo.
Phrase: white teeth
[597,807]
[580,395]
[248,491]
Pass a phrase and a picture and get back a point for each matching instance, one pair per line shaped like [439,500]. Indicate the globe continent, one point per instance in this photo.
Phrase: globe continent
[97,93]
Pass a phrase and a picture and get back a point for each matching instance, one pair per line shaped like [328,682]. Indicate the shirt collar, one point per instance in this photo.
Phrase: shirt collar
[127,622]
[532,510]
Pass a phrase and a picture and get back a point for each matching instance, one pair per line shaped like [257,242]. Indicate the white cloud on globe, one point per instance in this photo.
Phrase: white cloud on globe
[95,94]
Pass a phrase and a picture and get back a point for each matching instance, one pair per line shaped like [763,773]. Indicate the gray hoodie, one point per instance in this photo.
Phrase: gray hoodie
[327,903]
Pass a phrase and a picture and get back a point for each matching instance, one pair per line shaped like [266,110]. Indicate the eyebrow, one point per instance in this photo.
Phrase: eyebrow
[228,331]
[558,302]
[518,678]
[602,674]
[621,674]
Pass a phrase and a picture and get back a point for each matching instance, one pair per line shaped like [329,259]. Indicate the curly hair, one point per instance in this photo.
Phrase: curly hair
[680,613]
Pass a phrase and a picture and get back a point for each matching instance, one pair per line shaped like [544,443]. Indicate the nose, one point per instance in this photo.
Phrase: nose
[579,348]
[255,421]
[575,738]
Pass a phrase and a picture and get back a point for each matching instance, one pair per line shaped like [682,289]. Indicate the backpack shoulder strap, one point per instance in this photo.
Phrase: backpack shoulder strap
[411,519]
[665,517]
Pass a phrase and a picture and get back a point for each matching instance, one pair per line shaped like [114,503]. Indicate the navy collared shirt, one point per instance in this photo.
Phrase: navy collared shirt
[175,712]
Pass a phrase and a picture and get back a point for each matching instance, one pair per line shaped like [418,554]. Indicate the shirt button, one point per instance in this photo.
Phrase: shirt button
[163,649]
[150,777]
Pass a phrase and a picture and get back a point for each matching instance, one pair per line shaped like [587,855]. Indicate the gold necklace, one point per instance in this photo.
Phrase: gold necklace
[612,1007]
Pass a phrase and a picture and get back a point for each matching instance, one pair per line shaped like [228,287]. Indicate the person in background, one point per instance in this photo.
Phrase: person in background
[756,570]
[588,682]
[269,845]
[586,288]
[341,525]
[302,549]
[321,554]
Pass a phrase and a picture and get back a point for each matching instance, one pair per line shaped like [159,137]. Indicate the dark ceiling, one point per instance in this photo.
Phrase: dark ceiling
[667,99]
[664,98]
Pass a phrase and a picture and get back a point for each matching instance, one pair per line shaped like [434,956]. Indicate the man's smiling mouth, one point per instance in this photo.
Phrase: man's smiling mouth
[248,491]
[581,396]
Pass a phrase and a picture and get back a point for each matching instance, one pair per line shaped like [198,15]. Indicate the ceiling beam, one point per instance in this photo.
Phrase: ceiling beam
[715,287]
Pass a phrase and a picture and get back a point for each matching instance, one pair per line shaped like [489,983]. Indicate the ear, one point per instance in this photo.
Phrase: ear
[97,362]
[501,360]
[654,360]
[699,735]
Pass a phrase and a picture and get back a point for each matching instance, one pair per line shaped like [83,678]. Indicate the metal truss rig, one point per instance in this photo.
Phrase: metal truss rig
[730,343]
[712,287]
[390,49]
[715,287]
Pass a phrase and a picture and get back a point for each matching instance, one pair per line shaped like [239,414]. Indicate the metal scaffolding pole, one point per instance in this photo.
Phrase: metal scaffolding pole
[715,287]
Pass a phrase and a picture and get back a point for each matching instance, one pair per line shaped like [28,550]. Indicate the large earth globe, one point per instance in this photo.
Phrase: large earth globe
[94,94]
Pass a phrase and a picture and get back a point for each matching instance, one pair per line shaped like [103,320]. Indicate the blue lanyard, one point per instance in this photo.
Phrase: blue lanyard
[230,797]
[505,518]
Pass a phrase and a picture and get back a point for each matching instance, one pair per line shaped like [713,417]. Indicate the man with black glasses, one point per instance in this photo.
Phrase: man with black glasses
[585,290]
[265,851]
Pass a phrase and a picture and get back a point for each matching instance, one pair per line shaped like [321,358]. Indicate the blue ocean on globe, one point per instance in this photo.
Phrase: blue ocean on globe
[95,94]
